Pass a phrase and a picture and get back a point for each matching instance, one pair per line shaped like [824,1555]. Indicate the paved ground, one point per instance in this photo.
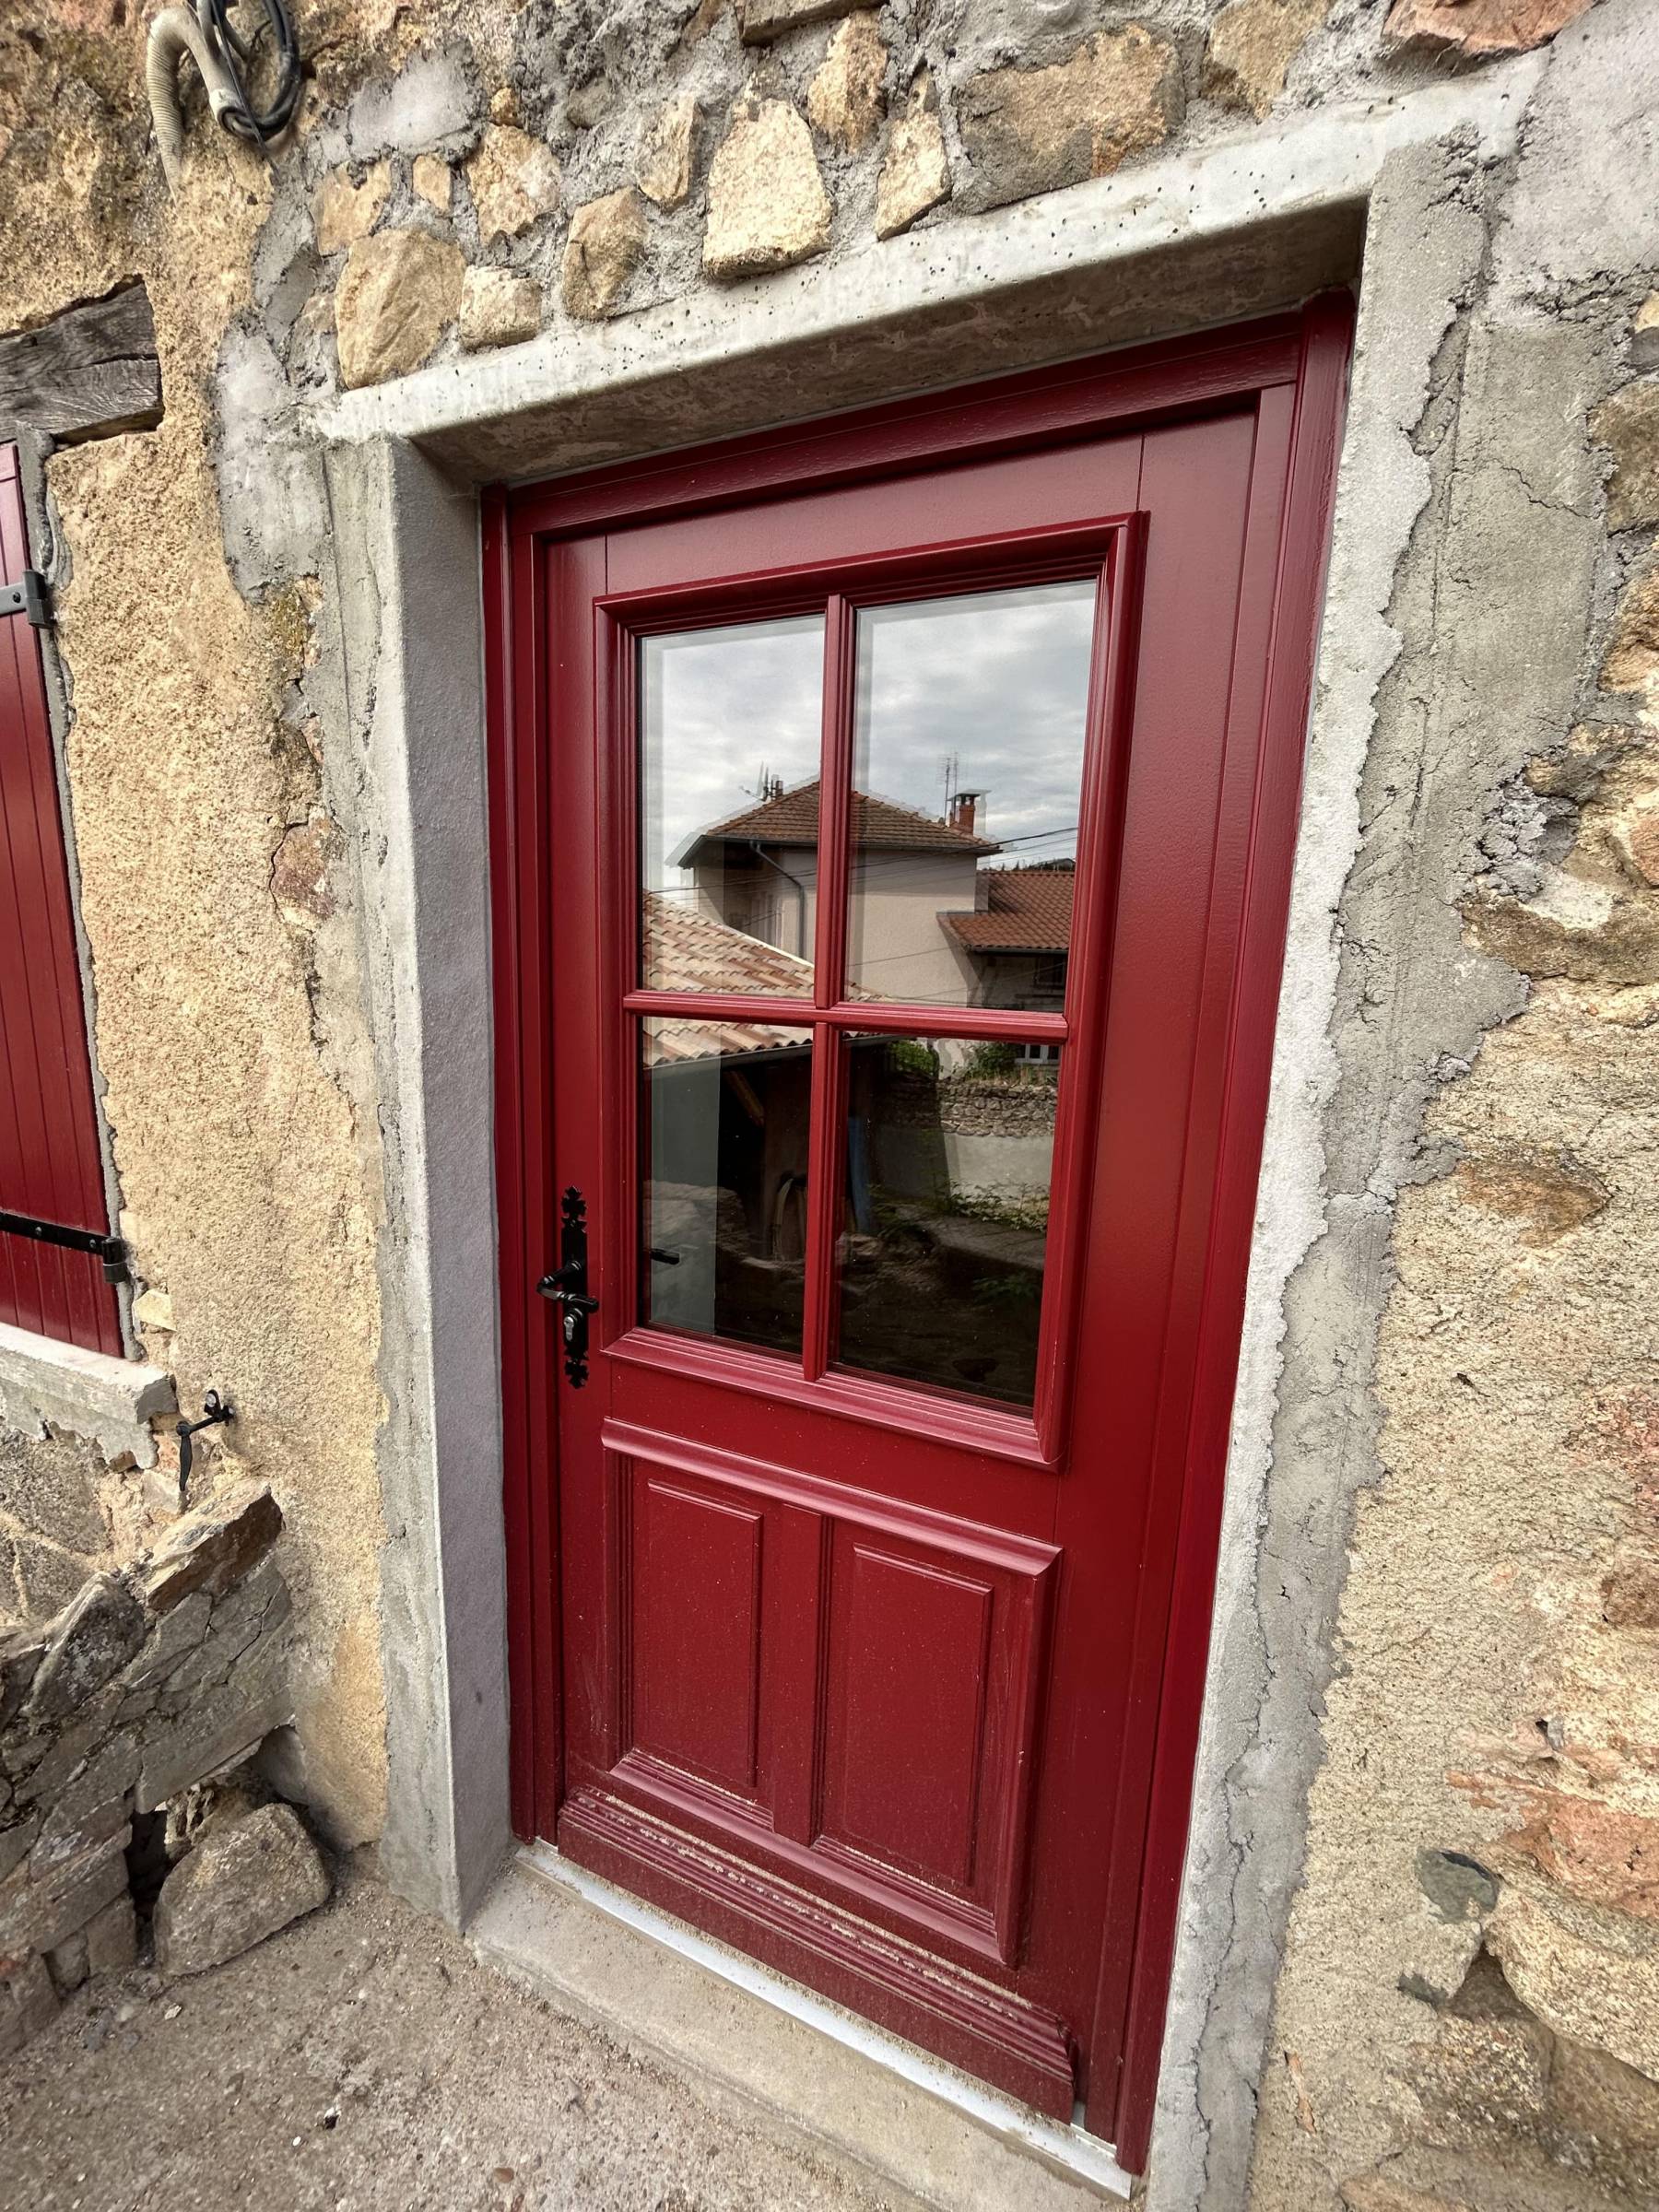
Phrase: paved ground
[360,2061]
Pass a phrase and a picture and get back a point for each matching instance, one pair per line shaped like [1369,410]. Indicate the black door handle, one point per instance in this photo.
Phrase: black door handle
[566,1286]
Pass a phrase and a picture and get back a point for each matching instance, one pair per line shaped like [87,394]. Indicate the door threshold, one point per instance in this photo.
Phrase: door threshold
[819,2077]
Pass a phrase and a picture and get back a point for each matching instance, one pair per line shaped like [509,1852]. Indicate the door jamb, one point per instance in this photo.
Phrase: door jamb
[1309,351]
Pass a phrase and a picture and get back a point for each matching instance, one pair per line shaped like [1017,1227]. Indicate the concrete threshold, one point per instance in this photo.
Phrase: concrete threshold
[775,2057]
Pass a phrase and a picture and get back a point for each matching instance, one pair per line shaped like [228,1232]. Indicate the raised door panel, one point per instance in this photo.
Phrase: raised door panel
[692,1616]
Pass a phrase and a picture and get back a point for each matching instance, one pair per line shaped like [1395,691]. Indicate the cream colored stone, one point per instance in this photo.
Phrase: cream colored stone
[344,212]
[1632,657]
[434,181]
[153,1310]
[1035,130]
[1594,1978]
[606,245]
[768,207]
[396,295]
[915,175]
[499,306]
[664,169]
[1251,45]
[513,180]
[845,100]
[504,105]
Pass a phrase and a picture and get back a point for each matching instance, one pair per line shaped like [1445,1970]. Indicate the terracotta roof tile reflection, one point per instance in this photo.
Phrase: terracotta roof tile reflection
[1028,909]
[688,950]
[792,818]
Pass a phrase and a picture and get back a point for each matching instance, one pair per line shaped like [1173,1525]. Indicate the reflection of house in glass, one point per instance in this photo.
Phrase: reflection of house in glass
[941,1231]
[929,922]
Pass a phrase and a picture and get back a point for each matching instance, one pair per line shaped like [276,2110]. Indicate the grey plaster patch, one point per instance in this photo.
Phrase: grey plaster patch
[272,504]
[402,629]
[46,1385]
[432,107]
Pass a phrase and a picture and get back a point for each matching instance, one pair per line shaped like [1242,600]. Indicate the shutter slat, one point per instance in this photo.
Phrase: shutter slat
[49,1167]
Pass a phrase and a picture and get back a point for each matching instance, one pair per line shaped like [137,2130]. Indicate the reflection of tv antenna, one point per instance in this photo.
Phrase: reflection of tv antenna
[952,765]
[766,785]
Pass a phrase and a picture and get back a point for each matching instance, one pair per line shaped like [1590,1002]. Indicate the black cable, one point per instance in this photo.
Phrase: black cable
[248,122]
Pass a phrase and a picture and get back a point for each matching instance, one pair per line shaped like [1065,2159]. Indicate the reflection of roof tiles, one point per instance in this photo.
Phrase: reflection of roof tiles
[1028,909]
[792,818]
[686,950]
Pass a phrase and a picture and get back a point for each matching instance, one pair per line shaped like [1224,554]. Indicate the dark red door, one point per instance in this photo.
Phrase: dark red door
[878,859]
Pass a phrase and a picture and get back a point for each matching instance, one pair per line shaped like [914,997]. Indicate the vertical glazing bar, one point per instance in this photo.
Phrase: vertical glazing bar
[829,950]
[835,783]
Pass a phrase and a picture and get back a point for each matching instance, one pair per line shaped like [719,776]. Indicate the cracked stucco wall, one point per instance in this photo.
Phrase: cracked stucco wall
[1443,1447]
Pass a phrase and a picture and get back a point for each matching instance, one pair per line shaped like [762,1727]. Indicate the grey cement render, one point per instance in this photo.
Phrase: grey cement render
[1459,209]
[404,609]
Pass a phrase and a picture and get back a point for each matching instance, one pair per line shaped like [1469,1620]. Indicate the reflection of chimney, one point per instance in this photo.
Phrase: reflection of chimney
[964,810]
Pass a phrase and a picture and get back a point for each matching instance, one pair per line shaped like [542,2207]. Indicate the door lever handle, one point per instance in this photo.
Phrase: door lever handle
[566,1286]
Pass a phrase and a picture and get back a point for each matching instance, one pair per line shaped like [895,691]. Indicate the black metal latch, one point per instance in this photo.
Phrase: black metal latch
[567,1286]
[110,1251]
[27,596]
[214,1412]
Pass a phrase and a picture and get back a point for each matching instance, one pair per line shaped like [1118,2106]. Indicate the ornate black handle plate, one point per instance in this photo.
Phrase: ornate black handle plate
[567,1286]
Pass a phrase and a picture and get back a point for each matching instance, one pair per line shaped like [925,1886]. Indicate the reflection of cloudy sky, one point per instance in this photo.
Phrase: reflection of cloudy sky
[997,681]
[717,706]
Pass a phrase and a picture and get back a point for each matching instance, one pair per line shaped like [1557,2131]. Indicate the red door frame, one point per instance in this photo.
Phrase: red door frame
[1295,362]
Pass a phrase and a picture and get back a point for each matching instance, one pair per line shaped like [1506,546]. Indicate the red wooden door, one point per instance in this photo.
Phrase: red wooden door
[878,838]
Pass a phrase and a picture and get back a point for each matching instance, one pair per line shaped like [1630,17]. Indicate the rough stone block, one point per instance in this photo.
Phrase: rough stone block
[68,1961]
[1251,46]
[89,1642]
[1036,130]
[224,1727]
[112,1937]
[21,1651]
[766,19]
[1481,25]
[36,1916]
[605,246]
[664,169]
[171,1640]
[845,100]
[916,174]
[246,1877]
[26,1987]
[344,212]
[513,180]
[16,1842]
[1632,657]
[1628,425]
[499,306]
[50,1489]
[397,292]
[219,1542]
[434,181]
[89,1810]
[768,207]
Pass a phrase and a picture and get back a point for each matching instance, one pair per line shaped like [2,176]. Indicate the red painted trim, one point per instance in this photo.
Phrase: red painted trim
[1008,414]
[1315,441]
[50,1164]
[883,1014]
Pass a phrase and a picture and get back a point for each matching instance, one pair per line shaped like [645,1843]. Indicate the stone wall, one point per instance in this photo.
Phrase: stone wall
[151,1680]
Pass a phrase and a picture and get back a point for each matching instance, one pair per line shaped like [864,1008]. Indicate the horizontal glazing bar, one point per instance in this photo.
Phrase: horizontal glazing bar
[852,1013]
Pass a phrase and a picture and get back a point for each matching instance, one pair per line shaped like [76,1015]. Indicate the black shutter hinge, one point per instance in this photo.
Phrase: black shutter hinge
[110,1251]
[28,597]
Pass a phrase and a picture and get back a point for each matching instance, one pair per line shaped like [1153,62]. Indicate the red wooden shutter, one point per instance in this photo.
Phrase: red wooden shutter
[49,1169]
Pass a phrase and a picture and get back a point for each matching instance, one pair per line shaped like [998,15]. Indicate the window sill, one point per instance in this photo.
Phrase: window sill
[111,1402]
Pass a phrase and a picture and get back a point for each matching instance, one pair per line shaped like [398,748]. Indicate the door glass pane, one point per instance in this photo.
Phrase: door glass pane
[949,1155]
[730,722]
[726,1110]
[968,767]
